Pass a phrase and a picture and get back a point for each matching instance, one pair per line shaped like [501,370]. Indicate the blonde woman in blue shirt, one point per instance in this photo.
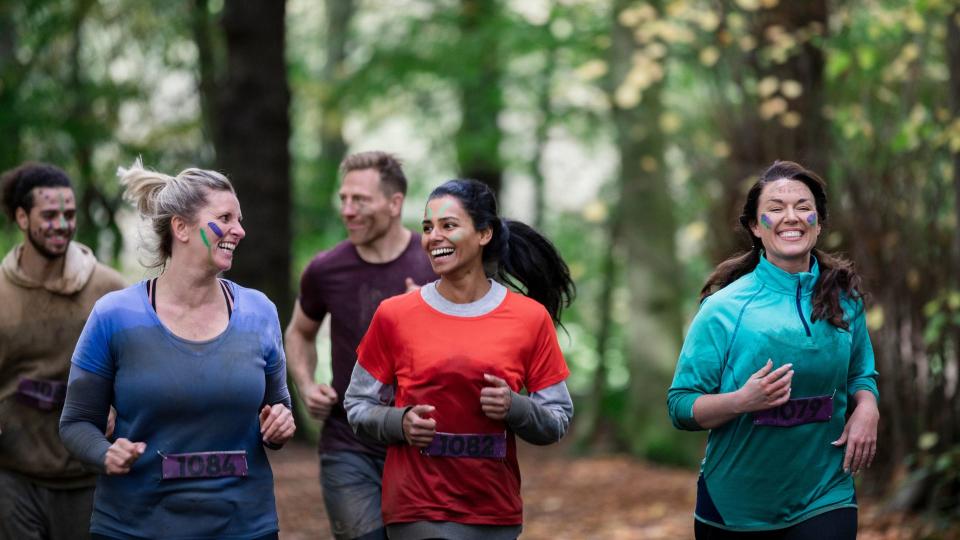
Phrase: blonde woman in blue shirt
[778,365]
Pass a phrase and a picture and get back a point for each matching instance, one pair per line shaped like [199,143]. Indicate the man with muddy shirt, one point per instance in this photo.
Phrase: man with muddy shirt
[379,259]
[48,286]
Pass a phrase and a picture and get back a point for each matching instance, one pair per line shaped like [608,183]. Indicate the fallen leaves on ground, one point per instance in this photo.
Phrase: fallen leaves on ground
[574,498]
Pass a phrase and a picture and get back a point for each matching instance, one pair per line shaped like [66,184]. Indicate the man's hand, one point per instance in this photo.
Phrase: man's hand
[319,399]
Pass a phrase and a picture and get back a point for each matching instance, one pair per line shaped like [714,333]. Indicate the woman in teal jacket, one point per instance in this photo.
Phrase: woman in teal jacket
[778,366]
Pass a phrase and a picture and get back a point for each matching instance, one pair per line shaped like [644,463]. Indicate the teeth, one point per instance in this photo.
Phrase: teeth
[229,246]
[790,234]
[439,252]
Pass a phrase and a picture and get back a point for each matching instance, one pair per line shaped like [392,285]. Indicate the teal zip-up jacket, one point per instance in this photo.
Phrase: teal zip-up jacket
[757,477]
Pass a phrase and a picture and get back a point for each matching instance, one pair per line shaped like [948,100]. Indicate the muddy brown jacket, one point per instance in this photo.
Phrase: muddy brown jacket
[39,327]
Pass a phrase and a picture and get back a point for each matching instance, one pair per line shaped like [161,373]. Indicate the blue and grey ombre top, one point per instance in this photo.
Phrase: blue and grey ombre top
[177,396]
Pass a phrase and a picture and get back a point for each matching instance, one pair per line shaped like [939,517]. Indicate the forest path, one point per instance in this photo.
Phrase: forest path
[608,497]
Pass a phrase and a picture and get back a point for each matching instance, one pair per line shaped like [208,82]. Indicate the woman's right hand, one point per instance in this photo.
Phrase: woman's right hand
[122,454]
[765,389]
[419,430]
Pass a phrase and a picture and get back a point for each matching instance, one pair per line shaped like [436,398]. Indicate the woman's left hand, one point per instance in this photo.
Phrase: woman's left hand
[860,433]
[276,423]
[496,398]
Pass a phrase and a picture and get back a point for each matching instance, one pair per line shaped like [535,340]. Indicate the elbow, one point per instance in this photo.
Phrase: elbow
[680,409]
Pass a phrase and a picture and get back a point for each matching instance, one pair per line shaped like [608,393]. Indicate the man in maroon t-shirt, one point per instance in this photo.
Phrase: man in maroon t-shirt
[379,259]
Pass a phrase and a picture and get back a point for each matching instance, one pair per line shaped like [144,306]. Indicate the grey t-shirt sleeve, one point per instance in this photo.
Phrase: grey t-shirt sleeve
[542,417]
[84,417]
[368,411]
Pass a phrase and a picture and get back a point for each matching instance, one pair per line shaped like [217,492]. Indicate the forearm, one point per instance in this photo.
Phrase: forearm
[714,410]
[276,390]
[543,417]
[369,415]
[865,397]
[84,417]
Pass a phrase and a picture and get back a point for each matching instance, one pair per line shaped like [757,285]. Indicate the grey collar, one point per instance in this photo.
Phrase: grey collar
[488,303]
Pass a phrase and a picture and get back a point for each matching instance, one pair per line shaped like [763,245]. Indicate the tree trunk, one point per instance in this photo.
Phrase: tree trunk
[654,277]
[755,142]
[481,100]
[207,77]
[251,142]
[545,108]
[332,146]
[11,73]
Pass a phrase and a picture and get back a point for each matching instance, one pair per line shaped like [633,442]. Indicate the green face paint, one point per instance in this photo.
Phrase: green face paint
[203,236]
[812,219]
[63,206]
[443,208]
[455,237]
[765,221]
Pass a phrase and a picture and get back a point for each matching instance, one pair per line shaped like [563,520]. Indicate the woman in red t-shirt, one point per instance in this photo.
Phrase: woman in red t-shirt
[454,355]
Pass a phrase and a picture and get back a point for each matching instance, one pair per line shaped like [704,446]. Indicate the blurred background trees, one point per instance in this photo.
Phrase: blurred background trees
[626,130]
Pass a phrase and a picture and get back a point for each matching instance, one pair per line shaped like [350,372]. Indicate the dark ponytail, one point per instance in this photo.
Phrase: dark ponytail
[517,254]
[838,278]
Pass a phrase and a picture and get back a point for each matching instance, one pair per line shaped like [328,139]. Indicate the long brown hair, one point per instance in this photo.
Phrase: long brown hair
[838,278]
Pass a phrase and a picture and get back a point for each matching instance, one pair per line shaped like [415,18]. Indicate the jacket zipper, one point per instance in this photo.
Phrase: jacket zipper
[800,312]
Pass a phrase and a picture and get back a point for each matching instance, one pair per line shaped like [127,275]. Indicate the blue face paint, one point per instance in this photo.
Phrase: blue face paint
[765,221]
[216,230]
[812,219]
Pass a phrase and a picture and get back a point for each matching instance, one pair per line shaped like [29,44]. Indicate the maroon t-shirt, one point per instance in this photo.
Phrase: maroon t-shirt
[339,282]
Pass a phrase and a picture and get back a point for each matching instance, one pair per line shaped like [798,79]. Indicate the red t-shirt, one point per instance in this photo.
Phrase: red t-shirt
[439,359]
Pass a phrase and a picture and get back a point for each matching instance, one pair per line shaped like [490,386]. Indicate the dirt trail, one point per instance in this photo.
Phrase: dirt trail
[610,498]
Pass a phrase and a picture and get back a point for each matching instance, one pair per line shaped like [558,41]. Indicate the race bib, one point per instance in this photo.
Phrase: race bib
[44,395]
[472,445]
[204,464]
[796,412]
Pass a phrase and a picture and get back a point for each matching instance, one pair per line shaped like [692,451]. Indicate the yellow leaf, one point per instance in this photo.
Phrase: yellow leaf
[747,43]
[627,96]
[767,86]
[721,149]
[595,212]
[791,89]
[594,69]
[649,164]
[791,119]
[772,107]
[875,318]
[670,122]
[709,56]
[914,22]
[708,20]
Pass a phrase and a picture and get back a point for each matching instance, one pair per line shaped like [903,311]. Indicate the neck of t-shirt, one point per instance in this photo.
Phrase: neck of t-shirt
[482,306]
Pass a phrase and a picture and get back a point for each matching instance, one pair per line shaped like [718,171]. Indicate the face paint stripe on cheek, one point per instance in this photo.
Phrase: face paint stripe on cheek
[812,219]
[216,230]
[203,236]
[765,221]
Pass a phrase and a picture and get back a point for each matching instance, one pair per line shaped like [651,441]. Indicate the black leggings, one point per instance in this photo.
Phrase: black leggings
[839,524]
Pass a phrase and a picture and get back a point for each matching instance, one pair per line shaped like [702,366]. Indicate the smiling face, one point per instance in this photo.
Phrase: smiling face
[450,239]
[51,222]
[366,210]
[218,228]
[787,224]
